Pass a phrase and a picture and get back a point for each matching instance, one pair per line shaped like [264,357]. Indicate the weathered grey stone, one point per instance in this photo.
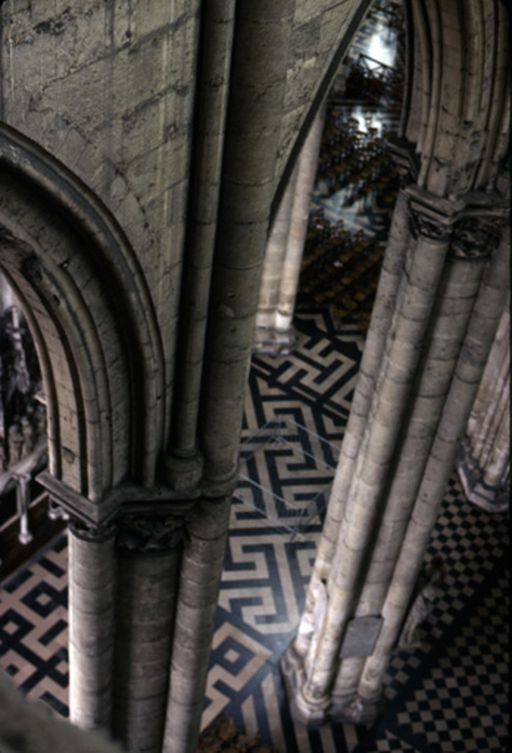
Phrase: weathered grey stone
[360,636]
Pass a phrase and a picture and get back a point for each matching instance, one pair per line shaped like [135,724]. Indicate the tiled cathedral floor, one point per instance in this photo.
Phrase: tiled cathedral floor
[449,695]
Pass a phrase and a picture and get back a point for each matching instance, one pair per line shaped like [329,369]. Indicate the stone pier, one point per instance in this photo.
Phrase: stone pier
[401,409]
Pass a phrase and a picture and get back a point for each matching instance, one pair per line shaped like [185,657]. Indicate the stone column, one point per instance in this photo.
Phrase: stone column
[148,559]
[22,506]
[201,570]
[91,624]
[285,248]
[468,372]
[450,316]
[272,271]
[483,460]
[252,137]
[385,455]
[382,313]
[312,673]
[184,461]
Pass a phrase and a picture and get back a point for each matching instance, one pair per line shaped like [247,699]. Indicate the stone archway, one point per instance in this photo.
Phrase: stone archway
[92,321]
[92,317]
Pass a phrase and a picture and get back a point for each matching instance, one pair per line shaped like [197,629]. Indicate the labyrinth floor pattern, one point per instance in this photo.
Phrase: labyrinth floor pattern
[448,695]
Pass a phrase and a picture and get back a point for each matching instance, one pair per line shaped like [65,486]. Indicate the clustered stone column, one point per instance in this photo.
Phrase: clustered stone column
[483,460]
[285,248]
[432,324]
[143,590]
[139,589]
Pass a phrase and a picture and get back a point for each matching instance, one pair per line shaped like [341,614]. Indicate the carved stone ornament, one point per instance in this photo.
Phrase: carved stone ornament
[145,533]
[427,226]
[475,237]
[90,532]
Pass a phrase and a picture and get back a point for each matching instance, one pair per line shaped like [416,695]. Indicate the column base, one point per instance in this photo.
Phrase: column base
[354,709]
[294,676]
[491,499]
[350,709]
[272,342]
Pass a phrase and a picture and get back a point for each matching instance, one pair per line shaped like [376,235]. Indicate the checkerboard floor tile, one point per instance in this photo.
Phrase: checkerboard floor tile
[385,743]
[459,699]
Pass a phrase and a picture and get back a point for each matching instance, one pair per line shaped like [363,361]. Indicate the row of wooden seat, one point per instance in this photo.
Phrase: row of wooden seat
[354,160]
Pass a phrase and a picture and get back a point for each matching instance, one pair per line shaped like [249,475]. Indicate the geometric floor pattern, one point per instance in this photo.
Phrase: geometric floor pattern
[447,695]
[268,564]
[33,626]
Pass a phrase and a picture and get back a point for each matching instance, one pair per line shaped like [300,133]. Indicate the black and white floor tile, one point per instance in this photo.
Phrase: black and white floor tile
[267,566]
[33,627]
[447,695]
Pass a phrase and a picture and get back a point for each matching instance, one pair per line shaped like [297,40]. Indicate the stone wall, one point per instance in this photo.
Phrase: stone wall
[108,89]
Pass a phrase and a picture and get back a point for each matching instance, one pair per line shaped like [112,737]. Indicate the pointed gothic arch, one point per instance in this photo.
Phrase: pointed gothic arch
[92,319]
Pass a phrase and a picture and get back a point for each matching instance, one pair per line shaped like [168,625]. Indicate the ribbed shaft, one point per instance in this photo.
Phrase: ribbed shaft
[217,21]
[274,258]
[253,129]
[305,178]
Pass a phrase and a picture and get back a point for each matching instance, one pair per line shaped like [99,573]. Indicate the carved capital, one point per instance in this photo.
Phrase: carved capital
[475,237]
[428,226]
[146,533]
[92,533]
